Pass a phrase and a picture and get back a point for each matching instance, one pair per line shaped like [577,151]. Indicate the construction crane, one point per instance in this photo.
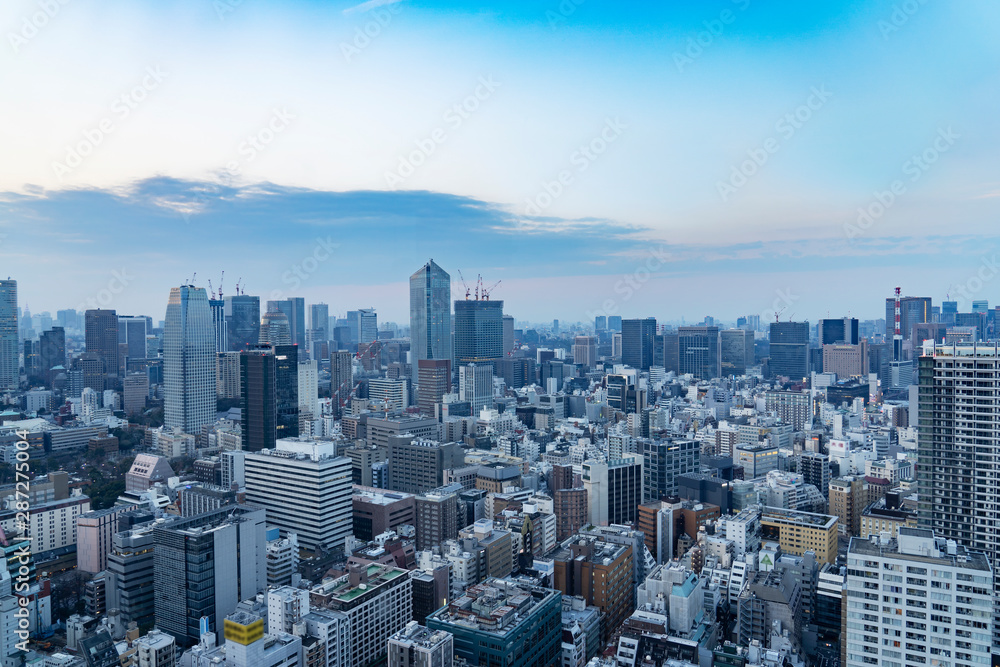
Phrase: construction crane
[221,278]
[464,284]
[211,291]
[778,314]
[238,280]
[489,290]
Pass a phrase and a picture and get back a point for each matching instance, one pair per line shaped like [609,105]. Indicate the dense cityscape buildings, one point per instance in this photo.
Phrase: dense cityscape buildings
[561,335]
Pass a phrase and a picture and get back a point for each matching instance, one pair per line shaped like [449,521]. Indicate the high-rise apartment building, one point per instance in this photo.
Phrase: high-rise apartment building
[698,351]
[430,314]
[188,360]
[637,342]
[958,450]
[478,332]
[242,314]
[789,345]
[306,490]
[918,599]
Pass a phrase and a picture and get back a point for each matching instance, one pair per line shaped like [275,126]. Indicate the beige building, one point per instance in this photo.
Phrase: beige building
[799,532]
[846,360]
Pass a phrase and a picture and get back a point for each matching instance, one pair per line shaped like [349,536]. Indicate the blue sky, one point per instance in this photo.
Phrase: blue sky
[638,118]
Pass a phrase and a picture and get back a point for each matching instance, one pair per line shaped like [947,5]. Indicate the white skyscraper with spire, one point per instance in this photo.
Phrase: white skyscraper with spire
[188,360]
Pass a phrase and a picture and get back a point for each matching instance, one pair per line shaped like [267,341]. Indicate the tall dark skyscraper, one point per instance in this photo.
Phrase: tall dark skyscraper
[341,378]
[188,360]
[478,332]
[841,330]
[242,321]
[286,387]
[9,364]
[637,342]
[258,398]
[698,351]
[51,351]
[132,331]
[101,338]
[789,350]
[430,315]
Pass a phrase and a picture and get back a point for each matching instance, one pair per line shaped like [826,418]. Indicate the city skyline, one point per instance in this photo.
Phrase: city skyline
[777,148]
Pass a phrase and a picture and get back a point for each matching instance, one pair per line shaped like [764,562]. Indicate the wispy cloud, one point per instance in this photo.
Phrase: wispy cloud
[368,6]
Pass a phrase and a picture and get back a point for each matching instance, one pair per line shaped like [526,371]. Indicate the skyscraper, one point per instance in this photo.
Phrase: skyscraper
[101,338]
[841,330]
[912,310]
[430,314]
[132,331]
[789,350]
[478,331]
[475,385]
[698,351]
[958,450]
[585,351]
[434,381]
[258,398]
[637,342]
[341,378]
[508,335]
[242,321]
[188,360]
[286,390]
[294,308]
[219,325]
[319,320]
[736,349]
[9,365]
[274,327]
[51,351]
